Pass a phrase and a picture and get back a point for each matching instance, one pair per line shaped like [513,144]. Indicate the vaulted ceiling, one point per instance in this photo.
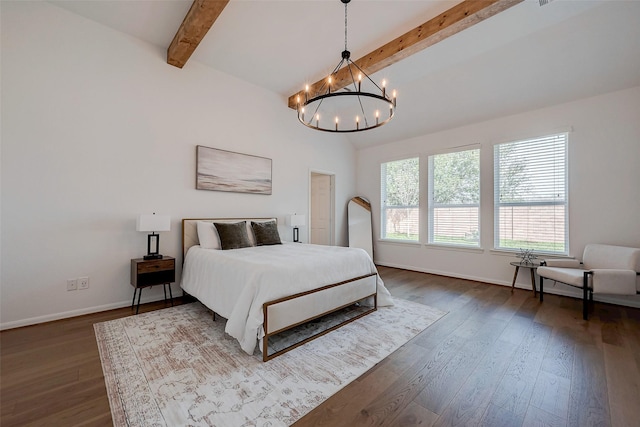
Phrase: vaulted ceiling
[526,57]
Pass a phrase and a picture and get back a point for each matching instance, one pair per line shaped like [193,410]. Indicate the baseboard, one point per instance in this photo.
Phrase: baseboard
[72,313]
[548,288]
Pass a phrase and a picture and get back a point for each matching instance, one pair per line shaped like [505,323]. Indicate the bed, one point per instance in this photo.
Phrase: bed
[265,290]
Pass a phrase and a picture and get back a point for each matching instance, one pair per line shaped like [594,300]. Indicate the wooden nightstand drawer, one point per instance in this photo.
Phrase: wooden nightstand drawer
[156,265]
[152,272]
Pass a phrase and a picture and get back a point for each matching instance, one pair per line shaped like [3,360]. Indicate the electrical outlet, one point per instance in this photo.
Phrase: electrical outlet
[83,282]
[72,284]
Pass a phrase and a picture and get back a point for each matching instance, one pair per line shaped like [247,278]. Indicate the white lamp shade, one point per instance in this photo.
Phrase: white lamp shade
[152,222]
[296,220]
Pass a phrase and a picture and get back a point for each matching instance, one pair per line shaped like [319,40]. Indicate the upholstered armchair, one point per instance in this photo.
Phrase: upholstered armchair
[604,269]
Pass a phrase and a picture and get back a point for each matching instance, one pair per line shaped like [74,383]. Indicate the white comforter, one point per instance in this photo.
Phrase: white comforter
[235,283]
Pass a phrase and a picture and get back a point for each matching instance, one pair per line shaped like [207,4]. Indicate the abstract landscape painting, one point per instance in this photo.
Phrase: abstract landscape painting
[220,170]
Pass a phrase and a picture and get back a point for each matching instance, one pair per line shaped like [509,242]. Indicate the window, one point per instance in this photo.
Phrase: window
[530,195]
[454,198]
[400,191]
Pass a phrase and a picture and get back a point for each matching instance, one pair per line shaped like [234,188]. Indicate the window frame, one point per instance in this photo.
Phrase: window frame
[384,207]
[431,205]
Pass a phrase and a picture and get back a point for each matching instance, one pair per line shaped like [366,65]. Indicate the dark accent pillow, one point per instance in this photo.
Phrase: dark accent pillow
[266,233]
[233,235]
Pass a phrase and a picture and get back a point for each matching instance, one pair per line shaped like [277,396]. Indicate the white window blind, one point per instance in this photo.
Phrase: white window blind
[454,198]
[400,190]
[530,195]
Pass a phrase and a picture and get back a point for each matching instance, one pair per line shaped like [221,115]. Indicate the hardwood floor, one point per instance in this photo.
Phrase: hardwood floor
[496,359]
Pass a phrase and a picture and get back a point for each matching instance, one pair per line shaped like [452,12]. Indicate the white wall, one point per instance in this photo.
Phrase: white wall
[604,185]
[97,128]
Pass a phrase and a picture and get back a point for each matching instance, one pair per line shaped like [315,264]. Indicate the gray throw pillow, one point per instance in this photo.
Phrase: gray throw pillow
[266,233]
[233,235]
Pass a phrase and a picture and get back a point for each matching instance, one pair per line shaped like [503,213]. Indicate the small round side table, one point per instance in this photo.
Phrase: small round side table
[531,266]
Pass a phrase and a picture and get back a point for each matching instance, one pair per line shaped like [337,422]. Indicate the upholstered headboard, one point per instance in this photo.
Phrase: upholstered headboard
[190,230]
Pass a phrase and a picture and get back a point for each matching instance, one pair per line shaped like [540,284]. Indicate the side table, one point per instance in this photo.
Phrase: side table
[146,273]
[531,266]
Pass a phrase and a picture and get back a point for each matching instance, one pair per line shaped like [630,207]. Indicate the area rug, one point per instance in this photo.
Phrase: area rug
[177,367]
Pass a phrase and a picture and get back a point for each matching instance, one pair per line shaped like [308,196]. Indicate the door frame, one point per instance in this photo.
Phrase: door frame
[332,213]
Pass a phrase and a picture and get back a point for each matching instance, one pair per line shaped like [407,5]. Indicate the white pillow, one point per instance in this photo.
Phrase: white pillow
[208,235]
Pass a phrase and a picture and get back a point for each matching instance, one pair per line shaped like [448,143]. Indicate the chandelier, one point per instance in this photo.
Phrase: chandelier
[348,100]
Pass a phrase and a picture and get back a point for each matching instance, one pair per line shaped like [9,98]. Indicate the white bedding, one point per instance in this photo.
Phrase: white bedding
[235,283]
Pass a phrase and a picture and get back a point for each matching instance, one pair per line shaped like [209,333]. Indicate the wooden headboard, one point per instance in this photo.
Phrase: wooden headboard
[190,230]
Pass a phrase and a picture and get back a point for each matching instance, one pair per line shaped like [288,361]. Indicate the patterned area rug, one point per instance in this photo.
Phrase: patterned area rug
[177,367]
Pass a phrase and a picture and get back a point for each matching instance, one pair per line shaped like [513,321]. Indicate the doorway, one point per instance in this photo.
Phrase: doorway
[322,209]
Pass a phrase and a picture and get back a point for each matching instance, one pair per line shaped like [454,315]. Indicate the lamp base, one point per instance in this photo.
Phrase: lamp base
[148,257]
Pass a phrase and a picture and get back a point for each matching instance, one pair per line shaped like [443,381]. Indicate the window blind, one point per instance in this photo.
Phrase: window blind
[530,195]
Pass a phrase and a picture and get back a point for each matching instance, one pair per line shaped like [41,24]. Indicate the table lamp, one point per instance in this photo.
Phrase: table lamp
[153,223]
[296,221]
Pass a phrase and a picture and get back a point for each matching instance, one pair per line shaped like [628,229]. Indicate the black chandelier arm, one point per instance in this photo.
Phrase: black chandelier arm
[377,125]
[357,89]
[320,98]
[332,94]
[316,110]
[366,75]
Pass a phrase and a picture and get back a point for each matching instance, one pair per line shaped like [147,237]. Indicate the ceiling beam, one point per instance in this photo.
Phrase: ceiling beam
[201,16]
[460,17]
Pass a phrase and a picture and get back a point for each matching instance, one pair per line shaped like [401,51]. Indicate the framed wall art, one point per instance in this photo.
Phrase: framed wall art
[221,170]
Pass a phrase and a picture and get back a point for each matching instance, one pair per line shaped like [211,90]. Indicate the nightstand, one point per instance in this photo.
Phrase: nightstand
[146,273]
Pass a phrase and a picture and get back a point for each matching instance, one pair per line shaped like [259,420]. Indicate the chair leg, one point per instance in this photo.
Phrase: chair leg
[541,291]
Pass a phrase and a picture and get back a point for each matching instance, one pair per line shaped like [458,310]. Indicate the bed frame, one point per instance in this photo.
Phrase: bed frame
[286,313]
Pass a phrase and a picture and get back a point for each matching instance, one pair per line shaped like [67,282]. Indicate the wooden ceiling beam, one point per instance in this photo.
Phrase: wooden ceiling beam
[201,16]
[458,18]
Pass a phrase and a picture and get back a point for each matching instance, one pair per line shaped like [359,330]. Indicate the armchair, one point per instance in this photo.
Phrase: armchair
[604,269]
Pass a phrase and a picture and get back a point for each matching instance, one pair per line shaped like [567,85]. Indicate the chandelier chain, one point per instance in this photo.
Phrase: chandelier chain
[345,26]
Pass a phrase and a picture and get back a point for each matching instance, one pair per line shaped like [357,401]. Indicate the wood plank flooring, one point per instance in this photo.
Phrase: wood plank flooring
[496,359]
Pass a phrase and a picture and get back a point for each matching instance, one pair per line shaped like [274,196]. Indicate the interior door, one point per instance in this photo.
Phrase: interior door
[321,221]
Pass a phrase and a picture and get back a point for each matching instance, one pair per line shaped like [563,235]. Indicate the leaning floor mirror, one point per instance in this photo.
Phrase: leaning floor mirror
[359,213]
